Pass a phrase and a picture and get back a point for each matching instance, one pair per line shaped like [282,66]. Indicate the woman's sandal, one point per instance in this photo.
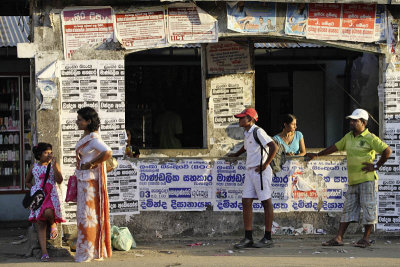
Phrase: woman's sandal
[45,258]
[53,233]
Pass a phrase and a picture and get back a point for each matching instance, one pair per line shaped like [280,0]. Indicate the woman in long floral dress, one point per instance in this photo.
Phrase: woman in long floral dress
[50,211]
[94,239]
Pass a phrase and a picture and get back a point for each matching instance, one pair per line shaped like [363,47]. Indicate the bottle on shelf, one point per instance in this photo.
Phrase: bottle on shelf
[6,122]
[5,141]
[16,138]
[1,139]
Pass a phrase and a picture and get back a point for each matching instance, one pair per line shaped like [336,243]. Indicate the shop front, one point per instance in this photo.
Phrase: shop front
[15,116]
[200,79]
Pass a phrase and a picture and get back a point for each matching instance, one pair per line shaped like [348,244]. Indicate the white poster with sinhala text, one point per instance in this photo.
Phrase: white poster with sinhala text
[99,84]
[188,23]
[141,28]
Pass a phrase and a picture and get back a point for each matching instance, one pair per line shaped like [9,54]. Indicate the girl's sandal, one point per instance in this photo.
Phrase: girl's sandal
[45,258]
[53,233]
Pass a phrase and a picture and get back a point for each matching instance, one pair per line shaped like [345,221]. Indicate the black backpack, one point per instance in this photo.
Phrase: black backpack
[280,156]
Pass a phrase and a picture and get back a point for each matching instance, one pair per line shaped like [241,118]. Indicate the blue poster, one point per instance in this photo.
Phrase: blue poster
[251,17]
[296,19]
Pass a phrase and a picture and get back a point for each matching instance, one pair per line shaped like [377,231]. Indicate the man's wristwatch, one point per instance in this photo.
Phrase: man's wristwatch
[376,167]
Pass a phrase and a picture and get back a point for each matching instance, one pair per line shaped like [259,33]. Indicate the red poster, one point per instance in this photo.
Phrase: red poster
[358,22]
[86,26]
[324,21]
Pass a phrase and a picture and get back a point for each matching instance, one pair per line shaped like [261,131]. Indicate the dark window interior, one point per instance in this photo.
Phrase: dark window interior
[163,95]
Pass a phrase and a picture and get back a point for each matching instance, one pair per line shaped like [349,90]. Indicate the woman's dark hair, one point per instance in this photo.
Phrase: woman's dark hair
[288,118]
[40,148]
[88,113]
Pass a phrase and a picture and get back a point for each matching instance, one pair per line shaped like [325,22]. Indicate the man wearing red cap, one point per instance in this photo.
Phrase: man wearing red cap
[360,146]
[257,184]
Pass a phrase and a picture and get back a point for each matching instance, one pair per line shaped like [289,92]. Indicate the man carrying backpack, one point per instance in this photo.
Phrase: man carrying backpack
[257,184]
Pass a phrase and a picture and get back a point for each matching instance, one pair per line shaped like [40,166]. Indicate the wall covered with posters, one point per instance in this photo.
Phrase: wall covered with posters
[91,72]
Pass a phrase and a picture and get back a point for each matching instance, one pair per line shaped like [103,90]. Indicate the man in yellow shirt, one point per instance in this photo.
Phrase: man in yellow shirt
[360,146]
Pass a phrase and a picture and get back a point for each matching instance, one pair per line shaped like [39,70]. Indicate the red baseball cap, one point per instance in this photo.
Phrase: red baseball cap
[248,111]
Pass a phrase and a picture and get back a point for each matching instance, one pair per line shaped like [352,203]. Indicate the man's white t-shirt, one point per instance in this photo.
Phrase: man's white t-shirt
[253,148]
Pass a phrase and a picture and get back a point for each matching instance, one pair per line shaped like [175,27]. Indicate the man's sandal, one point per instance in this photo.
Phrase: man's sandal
[45,258]
[53,233]
[332,243]
[362,243]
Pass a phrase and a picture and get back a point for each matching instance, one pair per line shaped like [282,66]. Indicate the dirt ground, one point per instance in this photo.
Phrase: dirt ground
[287,251]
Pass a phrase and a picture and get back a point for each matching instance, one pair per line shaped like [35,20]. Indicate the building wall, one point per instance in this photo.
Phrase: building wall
[48,38]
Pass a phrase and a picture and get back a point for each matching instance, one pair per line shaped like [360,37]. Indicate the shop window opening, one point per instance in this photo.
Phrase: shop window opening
[314,84]
[164,98]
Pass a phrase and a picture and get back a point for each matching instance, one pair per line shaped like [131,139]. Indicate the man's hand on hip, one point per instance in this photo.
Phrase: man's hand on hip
[368,167]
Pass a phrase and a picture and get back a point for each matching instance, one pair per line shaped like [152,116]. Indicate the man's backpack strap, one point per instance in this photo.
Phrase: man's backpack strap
[255,135]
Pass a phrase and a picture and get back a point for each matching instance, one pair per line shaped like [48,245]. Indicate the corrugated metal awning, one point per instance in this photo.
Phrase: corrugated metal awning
[287,45]
[13,30]
[266,45]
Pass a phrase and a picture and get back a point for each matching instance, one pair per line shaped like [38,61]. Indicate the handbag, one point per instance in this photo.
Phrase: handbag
[72,189]
[35,201]
[111,164]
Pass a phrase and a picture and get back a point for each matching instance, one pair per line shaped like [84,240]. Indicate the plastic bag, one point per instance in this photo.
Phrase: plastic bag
[122,239]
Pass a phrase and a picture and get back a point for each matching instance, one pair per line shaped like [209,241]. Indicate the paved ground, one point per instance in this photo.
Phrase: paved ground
[288,251]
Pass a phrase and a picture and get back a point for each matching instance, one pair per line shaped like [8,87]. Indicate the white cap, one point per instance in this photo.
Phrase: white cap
[358,114]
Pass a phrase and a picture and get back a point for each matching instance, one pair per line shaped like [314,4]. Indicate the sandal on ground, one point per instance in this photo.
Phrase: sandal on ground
[45,258]
[53,232]
[362,243]
[332,243]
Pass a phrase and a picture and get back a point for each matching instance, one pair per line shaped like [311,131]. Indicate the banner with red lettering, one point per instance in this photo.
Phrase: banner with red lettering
[349,22]
[324,21]
[358,23]
[86,26]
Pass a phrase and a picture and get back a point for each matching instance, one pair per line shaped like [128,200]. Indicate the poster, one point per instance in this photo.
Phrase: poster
[296,19]
[251,17]
[228,57]
[392,93]
[229,179]
[389,202]
[349,22]
[358,22]
[324,21]
[99,84]
[48,90]
[389,182]
[189,24]
[392,34]
[229,96]
[184,185]
[380,23]
[196,185]
[141,28]
[86,26]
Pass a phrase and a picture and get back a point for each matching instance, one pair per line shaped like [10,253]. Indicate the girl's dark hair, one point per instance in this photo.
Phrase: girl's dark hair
[288,118]
[40,148]
[88,113]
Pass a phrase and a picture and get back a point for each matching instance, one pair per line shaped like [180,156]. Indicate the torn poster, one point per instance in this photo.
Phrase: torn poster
[48,90]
